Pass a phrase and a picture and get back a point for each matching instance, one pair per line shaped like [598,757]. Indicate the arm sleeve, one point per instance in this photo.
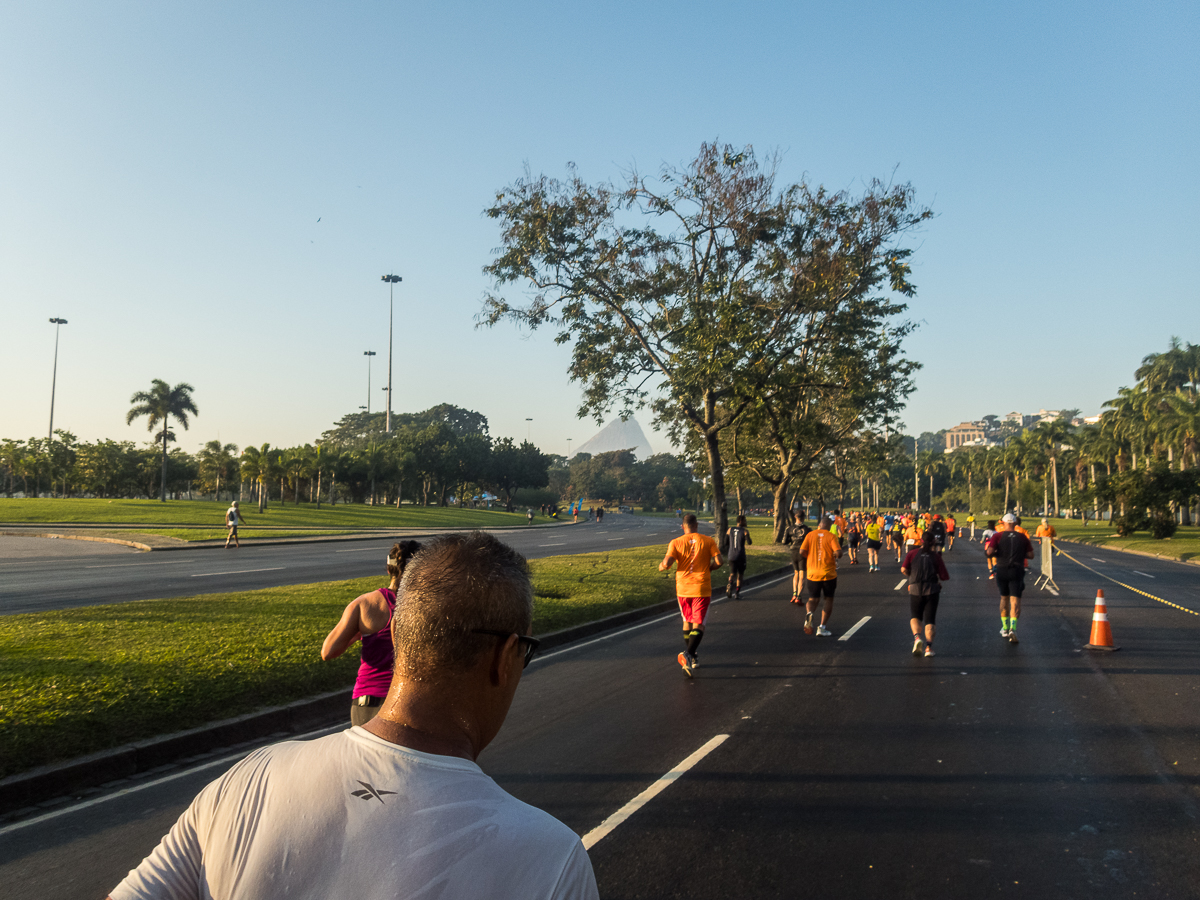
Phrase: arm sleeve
[577,881]
[172,870]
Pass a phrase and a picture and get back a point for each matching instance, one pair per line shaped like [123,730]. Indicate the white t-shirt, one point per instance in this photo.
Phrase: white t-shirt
[353,815]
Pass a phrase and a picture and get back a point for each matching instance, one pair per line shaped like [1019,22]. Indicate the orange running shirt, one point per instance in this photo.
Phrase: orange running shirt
[820,550]
[692,553]
[1047,531]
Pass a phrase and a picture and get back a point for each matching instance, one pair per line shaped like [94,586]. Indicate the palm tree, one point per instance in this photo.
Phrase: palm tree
[1050,437]
[161,404]
[216,462]
[931,462]
[259,465]
[294,464]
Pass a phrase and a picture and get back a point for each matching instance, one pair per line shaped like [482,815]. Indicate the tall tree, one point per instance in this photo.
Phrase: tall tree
[160,404]
[706,300]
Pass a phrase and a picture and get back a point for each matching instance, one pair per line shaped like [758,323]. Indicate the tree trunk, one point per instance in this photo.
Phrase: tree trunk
[782,509]
[164,465]
[1006,483]
[717,473]
[319,473]
[1054,469]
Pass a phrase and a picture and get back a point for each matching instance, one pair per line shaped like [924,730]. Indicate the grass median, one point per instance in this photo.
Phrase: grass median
[81,680]
[19,511]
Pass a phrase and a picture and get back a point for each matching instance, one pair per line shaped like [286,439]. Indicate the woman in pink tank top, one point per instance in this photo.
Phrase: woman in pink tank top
[369,618]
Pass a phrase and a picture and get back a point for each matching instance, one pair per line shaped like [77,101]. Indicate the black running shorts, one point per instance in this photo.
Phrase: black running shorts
[1010,581]
[872,545]
[737,564]
[817,588]
[924,608]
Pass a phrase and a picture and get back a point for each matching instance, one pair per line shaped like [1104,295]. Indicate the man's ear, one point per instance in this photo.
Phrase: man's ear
[502,661]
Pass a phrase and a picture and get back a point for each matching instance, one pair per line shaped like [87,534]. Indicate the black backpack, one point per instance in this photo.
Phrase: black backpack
[938,529]
[923,578]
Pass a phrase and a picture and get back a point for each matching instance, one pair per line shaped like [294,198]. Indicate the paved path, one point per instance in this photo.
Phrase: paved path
[39,574]
[851,768]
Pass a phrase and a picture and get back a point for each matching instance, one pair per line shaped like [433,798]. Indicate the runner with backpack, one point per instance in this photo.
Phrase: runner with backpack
[926,571]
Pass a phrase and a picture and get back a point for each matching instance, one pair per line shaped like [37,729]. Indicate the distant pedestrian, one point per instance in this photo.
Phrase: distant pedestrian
[1010,549]
[369,618]
[951,529]
[984,538]
[233,518]
[697,555]
[399,807]
[820,551]
[1045,532]
[529,516]
[739,539]
[926,572]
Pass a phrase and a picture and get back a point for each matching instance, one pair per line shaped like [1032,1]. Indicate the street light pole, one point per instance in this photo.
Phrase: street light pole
[392,281]
[368,354]
[528,430]
[569,449]
[56,322]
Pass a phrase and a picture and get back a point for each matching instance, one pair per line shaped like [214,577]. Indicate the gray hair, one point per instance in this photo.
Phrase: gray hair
[458,583]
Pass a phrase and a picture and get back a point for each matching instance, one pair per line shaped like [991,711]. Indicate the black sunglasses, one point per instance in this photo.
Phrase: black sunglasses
[531,644]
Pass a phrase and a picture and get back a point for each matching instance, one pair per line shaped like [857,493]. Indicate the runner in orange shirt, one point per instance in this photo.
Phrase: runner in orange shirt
[820,552]
[951,528]
[697,555]
[1045,531]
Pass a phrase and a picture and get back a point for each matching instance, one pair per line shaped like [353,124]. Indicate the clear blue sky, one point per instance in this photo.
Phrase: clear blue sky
[163,168]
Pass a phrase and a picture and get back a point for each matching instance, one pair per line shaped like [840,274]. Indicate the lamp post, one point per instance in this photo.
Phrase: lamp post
[392,281]
[569,449]
[56,322]
[528,430]
[368,354]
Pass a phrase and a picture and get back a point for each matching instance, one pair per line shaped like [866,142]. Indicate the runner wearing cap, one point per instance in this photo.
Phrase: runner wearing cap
[233,517]
[1011,551]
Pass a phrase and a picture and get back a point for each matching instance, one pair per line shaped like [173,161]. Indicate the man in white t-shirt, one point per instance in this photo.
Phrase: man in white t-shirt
[398,807]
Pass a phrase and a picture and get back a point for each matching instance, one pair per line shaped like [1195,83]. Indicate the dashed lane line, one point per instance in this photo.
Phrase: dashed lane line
[899,584]
[849,634]
[609,825]
[1143,574]
[562,544]
[239,572]
[1128,587]
[361,550]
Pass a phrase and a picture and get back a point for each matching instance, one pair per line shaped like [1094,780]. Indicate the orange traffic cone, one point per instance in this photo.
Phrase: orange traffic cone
[1101,630]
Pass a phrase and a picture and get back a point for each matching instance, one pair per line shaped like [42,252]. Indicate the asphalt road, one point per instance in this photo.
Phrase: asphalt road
[38,574]
[851,768]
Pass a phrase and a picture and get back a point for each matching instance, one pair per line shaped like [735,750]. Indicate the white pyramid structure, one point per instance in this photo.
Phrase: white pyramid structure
[618,435]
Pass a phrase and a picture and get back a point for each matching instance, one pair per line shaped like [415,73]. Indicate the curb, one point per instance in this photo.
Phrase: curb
[77,537]
[38,785]
[46,782]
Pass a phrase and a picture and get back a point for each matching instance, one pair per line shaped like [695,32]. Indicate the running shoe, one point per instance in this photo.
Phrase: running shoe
[991,577]
[808,626]
[1004,632]
[1012,638]
[686,663]
[929,651]
[822,631]
[917,645]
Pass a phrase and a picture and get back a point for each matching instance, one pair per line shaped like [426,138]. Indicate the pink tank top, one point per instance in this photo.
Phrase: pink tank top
[378,656]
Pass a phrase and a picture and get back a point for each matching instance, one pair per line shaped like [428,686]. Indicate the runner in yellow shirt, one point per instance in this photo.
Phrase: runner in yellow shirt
[874,542]
[697,555]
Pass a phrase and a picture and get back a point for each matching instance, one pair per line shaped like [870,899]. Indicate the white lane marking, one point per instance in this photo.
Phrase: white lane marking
[601,532]
[610,824]
[899,584]
[1143,574]
[241,754]
[614,539]
[671,615]
[363,549]
[563,544]
[239,572]
[861,622]
[117,566]
[1097,559]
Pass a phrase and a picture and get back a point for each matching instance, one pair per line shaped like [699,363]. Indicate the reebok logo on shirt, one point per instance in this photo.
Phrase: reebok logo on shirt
[368,792]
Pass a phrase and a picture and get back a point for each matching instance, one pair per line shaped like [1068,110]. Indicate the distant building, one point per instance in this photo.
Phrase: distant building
[1091,420]
[1021,420]
[966,433]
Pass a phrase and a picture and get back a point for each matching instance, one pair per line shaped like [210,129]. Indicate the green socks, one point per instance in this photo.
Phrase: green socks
[1012,624]
[1004,622]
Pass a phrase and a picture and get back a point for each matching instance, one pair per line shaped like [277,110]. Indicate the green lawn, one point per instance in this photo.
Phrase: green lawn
[81,680]
[1184,545]
[208,512]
